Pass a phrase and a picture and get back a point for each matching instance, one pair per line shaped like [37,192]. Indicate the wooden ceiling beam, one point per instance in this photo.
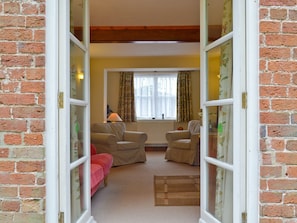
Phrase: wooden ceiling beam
[128,34]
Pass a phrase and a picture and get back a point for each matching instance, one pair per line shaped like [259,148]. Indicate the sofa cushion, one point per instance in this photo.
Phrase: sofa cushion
[104,160]
[97,176]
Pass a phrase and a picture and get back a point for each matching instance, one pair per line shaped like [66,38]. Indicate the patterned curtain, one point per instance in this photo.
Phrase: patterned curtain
[184,97]
[224,179]
[126,106]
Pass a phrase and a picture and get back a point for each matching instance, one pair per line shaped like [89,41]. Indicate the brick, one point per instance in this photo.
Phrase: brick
[274,118]
[290,27]
[295,77]
[4,112]
[32,87]
[16,74]
[290,198]
[264,104]
[29,217]
[28,112]
[273,91]
[281,40]
[33,139]
[287,211]
[278,14]
[281,78]
[39,35]
[291,145]
[293,15]
[292,92]
[29,9]
[7,166]
[35,74]
[278,144]
[281,104]
[282,131]
[13,34]
[275,53]
[277,2]
[17,99]
[289,66]
[10,205]
[8,192]
[271,171]
[294,118]
[8,48]
[11,8]
[17,61]
[291,171]
[271,197]
[39,61]
[13,178]
[35,21]
[263,13]
[12,21]
[4,152]
[12,125]
[6,217]
[288,158]
[37,126]
[270,26]
[30,166]
[266,159]
[28,153]
[10,87]
[31,205]
[265,78]
[271,220]
[32,192]
[31,47]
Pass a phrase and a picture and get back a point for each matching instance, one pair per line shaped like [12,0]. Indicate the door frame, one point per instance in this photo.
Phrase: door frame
[51,114]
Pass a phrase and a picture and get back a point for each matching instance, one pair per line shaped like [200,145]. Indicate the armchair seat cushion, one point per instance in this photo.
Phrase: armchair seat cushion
[104,160]
[182,143]
[126,145]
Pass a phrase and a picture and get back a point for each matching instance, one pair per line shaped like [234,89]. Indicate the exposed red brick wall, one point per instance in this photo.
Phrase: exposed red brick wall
[22,111]
[278,109]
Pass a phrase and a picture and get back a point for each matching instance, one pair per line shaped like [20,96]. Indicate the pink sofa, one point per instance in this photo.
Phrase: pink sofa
[100,167]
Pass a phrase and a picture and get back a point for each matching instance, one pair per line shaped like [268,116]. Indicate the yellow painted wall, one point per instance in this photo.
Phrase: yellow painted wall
[99,87]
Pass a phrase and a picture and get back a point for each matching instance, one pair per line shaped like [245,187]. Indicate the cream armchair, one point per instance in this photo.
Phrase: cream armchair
[126,147]
[184,145]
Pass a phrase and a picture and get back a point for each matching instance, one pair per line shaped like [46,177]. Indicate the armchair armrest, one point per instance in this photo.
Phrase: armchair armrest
[180,134]
[195,138]
[134,136]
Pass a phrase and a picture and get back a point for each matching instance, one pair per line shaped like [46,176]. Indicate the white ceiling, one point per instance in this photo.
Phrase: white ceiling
[148,13]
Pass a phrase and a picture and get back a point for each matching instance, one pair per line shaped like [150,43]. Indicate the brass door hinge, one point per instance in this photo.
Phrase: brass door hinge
[61,217]
[244,217]
[244,100]
[61,100]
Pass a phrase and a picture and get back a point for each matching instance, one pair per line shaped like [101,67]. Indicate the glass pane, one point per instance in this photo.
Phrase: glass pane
[220,193]
[76,18]
[220,62]
[220,138]
[77,82]
[76,134]
[220,23]
[77,193]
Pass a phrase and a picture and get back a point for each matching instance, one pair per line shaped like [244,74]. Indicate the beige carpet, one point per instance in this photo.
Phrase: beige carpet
[183,190]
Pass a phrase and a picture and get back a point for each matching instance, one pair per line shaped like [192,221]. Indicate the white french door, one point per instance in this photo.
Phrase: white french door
[223,146]
[74,179]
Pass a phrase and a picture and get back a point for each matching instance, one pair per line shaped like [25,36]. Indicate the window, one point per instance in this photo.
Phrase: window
[155,95]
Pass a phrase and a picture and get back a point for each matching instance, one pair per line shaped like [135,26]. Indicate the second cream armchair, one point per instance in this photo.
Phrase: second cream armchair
[126,147]
[184,145]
